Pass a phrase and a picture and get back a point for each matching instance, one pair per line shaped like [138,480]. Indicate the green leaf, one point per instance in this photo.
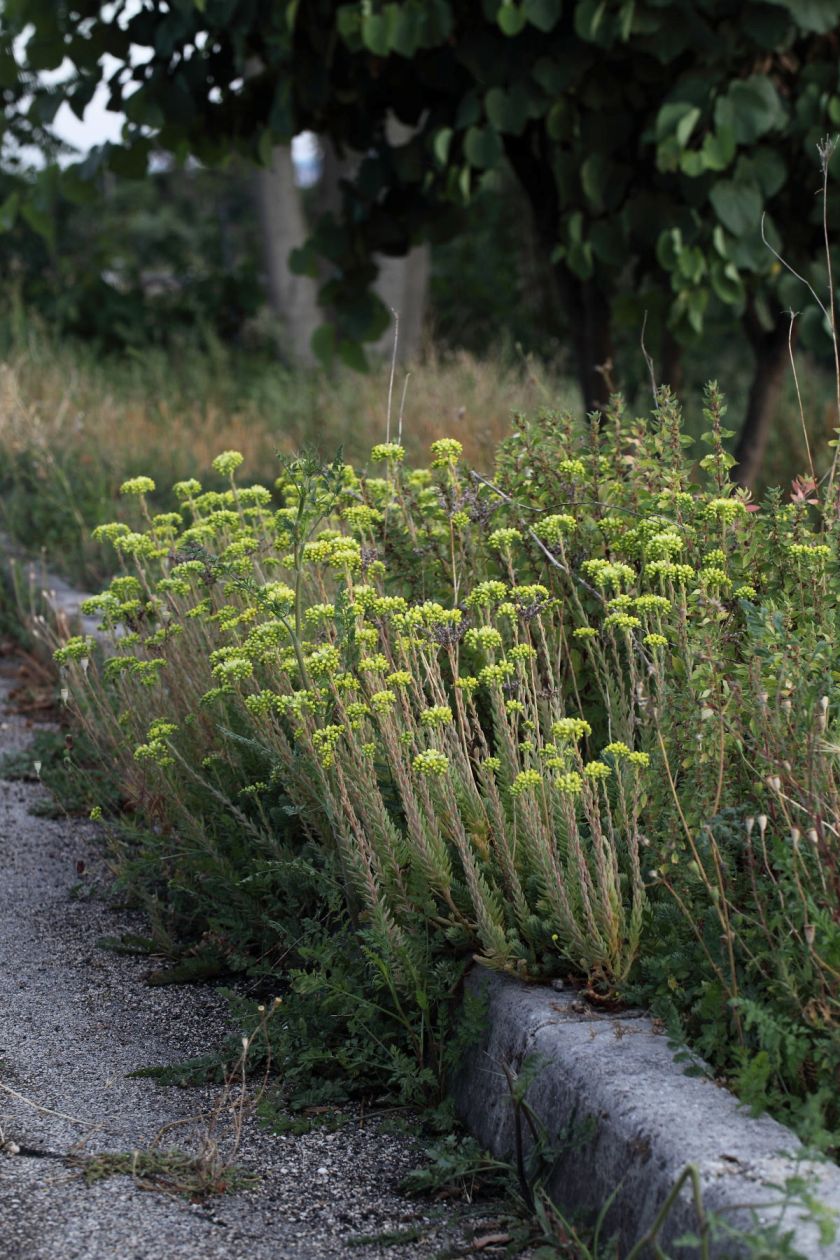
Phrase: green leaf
[511,19]
[589,16]
[727,284]
[819,16]
[9,211]
[507,111]
[40,220]
[375,33]
[482,147]
[544,14]
[737,205]
[718,148]
[595,177]
[668,247]
[442,144]
[352,354]
[756,108]
[766,167]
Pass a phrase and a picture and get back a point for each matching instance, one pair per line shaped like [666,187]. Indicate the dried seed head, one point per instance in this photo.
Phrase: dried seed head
[787,706]
[810,933]
[824,703]
[762,823]
[36,765]
[795,833]
[750,823]
[813,837]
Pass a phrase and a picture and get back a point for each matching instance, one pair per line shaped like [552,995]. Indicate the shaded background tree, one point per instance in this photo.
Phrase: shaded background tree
[648,140]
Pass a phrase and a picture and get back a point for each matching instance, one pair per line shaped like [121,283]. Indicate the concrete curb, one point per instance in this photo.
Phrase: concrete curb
[608,1087]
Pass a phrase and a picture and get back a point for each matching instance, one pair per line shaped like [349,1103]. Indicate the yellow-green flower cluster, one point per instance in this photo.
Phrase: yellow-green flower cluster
[382,701]
[138,485]
[652,603]
[361,517]
[812,555]
[319,614]
[714,577]
[387,451]
[553,529]
[596,770]
[679,573]
[227,463]
[263,703]
[622,621]
[141,545]
[522,652]
[324,742]
[109,532]
[186,489]
[485,594]
[496,675]
[621,752]
[483,638]
[399,678]
[357,711]
[431,762]
[606,573]
[445,452]
[725,510]
[573,469]
[571,729]
[233,670]
[502,539]
[324,661]
[437,715]
[77,648]
[525,781]
[155,749]
[655,640]
[377,664]
[663,545]
[569,783]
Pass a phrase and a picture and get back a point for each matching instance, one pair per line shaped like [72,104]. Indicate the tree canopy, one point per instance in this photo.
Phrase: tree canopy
[650,136]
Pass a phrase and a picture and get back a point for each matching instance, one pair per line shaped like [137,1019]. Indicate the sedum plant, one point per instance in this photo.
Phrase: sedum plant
[578,718]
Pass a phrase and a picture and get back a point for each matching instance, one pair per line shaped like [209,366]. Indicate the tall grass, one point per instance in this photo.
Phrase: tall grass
[73,426]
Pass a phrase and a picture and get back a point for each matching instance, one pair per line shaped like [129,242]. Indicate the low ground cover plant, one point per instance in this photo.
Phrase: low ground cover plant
[578,718]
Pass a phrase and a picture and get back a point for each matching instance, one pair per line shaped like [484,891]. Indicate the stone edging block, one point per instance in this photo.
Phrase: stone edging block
[633,1121]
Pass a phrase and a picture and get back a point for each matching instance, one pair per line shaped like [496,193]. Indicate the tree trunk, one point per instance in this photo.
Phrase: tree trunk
[673,368]
[581,301]
[402,282]
[588,316]
[771,358]
[293,299]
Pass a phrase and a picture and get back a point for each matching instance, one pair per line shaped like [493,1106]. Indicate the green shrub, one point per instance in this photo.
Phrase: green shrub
[576,719]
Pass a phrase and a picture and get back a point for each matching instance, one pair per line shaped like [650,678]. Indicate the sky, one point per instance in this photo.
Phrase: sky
[101,124]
